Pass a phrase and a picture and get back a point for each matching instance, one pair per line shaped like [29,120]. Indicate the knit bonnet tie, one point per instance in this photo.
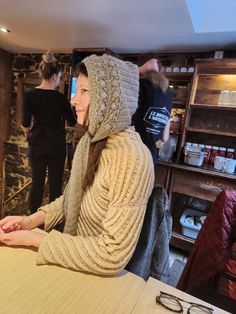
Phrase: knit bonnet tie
[113,100]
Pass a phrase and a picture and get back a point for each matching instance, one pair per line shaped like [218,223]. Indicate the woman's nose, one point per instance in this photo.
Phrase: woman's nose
[74,101]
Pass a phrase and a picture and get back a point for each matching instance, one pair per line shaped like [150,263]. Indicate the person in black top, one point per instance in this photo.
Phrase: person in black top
[151,120]
[44,113]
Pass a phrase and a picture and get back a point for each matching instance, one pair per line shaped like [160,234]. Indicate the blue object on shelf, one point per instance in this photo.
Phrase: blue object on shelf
[188,229]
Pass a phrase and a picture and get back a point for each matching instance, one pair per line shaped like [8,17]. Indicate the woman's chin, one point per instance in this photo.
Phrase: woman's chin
[80,121]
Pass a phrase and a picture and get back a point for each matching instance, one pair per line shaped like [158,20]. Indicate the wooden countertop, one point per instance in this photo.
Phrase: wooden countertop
[27,288]
[147,301]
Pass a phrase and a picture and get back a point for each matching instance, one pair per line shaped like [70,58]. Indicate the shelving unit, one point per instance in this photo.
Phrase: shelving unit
[214,107]
[206,122]
[180,83]
[207,131]
[204,114]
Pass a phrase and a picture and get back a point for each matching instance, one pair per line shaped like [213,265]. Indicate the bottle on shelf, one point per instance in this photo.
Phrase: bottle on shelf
[214,152]
[221,152]
[207,150]
[230,153]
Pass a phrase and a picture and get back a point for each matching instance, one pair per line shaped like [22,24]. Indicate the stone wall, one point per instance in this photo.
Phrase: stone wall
[17,170]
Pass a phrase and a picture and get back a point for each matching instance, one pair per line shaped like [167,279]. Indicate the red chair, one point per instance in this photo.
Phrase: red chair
[210,272]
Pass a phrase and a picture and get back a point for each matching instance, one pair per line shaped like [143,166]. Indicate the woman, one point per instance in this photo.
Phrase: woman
[151,119]
[46,109]
[111,179]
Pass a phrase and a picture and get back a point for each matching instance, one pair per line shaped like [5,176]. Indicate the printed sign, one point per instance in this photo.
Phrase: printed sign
[156,120]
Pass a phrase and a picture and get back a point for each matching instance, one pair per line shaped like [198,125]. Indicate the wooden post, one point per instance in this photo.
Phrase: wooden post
[5,103]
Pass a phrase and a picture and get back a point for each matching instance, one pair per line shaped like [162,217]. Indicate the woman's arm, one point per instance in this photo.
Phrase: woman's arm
[166,132]
[16,230]
[149,66]
[26,119]
[13,223]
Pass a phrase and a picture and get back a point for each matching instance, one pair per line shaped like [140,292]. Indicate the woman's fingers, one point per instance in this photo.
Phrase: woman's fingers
[7,224]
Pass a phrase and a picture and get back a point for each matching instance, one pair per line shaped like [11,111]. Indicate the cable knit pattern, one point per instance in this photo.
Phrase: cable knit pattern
[111,213]
[113,94]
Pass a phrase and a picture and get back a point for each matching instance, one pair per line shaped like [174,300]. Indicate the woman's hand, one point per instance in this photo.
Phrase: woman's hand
[14,223]
[149,66]
[22,238]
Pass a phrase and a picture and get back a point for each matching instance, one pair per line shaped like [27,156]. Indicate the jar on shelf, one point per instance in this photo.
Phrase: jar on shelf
[187,145]
[190,69]
[221,152]
[224,97]
[214,152]
[232,98]
[207,150]
[230,153]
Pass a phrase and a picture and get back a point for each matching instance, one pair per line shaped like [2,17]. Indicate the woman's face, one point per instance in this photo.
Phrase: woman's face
[81,99]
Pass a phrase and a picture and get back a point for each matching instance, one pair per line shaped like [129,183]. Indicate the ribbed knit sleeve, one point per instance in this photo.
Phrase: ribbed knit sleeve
[112,213]
[54,213]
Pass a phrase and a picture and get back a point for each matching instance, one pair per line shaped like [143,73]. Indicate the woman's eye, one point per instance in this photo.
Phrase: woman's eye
[83,90]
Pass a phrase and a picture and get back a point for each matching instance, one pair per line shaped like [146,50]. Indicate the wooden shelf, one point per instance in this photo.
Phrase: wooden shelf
[179,101]
[207,106]
[207,170]
[207,131]
[217,71]
[182,242]
[178,106]
[179,76]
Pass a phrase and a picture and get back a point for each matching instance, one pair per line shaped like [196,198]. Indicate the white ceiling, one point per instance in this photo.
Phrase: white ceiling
[122,25]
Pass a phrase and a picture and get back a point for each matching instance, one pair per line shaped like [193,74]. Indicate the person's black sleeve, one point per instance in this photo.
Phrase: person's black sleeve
[27,115]
[69,114]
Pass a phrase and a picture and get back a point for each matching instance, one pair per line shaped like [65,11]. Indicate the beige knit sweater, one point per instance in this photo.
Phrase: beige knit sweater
[111,215]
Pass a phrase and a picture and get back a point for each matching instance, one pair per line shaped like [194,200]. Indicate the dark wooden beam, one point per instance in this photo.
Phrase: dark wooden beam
[5,105]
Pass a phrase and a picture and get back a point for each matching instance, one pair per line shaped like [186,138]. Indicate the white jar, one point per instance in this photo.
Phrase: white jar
[224,97]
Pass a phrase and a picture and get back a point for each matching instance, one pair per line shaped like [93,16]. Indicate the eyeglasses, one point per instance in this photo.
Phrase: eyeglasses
[173,304]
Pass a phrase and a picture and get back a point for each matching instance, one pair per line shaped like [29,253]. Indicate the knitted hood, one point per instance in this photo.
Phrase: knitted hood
[114,86]
[113,94]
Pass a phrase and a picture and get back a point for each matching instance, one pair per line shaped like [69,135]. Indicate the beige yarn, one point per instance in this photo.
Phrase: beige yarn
[113,101]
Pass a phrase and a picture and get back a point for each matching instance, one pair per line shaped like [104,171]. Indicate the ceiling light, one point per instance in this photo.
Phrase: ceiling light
[4,29]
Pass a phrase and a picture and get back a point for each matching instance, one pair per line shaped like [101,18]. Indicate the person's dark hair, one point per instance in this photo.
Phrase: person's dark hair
[49,66]
[81,69]
[95,149]
[158,79]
